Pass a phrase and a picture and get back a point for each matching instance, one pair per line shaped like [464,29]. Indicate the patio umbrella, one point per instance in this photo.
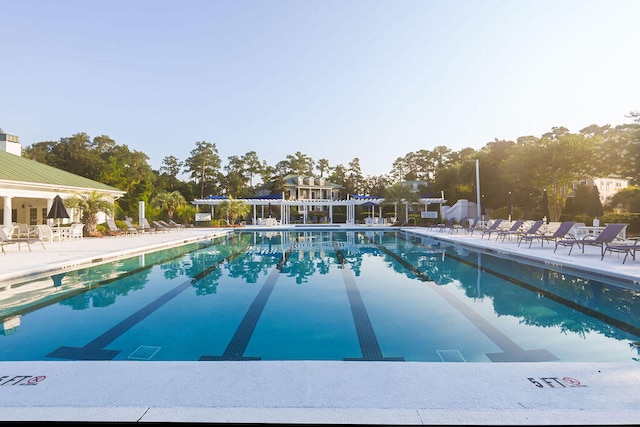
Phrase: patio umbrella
[595,206]
[57,210]
[545,204]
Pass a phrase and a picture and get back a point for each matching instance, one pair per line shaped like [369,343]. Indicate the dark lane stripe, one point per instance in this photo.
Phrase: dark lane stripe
[369,345]
[238,344]
[94,350]
[512,351]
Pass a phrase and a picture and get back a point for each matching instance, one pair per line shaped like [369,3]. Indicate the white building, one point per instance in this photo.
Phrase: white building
[607,187]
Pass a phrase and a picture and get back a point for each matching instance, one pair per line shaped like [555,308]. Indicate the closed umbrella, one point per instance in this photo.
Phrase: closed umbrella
[594,210]
[57,210]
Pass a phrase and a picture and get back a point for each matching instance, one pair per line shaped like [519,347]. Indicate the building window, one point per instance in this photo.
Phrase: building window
[14,215]
[2,215]
[44,215]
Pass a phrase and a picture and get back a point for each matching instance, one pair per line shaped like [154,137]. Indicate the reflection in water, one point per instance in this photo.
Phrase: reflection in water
[535,296]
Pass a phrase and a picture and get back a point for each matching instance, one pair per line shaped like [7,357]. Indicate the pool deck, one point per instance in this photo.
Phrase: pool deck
[315,392]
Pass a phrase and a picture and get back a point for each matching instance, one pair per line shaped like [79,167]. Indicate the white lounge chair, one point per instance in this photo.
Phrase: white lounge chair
[6,240]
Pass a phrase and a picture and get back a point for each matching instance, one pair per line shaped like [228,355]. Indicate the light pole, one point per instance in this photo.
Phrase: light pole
[477,185]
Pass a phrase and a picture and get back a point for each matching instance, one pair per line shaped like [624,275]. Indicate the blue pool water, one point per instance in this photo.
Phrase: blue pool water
[319,295]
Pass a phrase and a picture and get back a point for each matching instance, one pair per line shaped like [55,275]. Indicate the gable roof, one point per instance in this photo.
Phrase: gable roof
[23,170]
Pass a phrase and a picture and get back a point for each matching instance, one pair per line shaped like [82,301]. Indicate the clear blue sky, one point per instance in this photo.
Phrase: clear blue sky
[332,79]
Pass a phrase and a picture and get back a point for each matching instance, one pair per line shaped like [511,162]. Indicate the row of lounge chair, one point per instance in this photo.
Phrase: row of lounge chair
[131,230]
[607,240]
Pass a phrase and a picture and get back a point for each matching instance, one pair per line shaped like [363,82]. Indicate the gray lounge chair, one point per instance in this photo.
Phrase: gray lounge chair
[560,233]
[607,235]
[515,229]
[113,227]
[493,228]
[131,229]
[626,248]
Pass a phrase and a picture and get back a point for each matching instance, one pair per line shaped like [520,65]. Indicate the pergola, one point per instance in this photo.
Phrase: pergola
[304,206]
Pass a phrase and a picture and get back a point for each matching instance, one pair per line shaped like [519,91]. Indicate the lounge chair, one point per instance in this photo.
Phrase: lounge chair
[113,227]
[146,227]
[175,224]
[493,228]
[627,247]
[515,229]
[560,233]
[160,226]
[441,227]
[167,225]
[607,235]
[470,227]
[6,240]
[531,231]
[131,229]
[24,230]
[450,225]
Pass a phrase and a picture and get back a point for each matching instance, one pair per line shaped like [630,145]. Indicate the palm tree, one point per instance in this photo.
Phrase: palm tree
[401,195]
[169,201]
[233,209]
[90,204]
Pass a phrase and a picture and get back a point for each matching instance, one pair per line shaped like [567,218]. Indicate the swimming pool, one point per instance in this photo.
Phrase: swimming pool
[319,295]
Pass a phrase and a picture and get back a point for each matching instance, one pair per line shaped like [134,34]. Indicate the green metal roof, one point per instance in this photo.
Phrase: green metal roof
[21,169]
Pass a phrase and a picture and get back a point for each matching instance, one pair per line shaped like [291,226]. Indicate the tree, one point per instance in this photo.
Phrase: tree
[554,162]
[234,209]
[91,204]
[323,167]
[204,164]
[400,196]
[171,166]
[252,165]
[300,164]
[169,201]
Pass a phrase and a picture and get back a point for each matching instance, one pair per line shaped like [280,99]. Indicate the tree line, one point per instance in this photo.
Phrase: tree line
[518,172]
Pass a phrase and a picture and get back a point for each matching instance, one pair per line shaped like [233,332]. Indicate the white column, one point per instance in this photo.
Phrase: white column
[6,220]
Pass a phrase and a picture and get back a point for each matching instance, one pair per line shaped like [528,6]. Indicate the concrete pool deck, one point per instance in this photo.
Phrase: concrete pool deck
[315,392]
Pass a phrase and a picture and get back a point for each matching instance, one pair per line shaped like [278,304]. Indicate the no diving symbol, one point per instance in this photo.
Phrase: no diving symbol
[36,380]
[571,381]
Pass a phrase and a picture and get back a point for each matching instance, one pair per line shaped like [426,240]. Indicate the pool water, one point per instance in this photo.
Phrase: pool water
[319,295]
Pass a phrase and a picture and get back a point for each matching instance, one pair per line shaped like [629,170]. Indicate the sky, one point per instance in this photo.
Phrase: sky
[332,79]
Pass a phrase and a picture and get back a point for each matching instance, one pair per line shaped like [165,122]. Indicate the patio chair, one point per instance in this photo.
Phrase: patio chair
[515,229]
[607,235]
[74,231]
[6,240]
[560,233]
[493,228]
[450,225]
[441,227]
[160,226]
[24,230]
[113,227]
[627,247]
[471,226]
[532,230]
[47,233]
[167,225]
[175,224]
[131,229]
[146,227]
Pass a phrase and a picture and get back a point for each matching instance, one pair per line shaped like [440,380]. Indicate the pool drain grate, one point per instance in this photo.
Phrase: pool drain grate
[144,352]
[451,356]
